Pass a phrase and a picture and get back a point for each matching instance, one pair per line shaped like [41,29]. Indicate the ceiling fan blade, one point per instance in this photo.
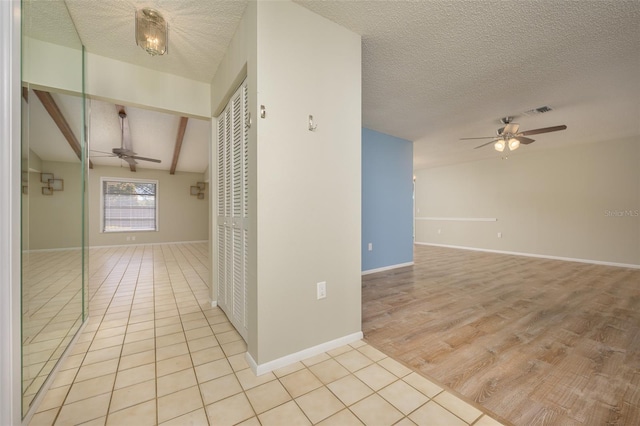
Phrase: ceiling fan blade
[129,160]
[101,152]
[485,144]
[484,137]
[104,156]
[542,130]
[511,128]
[153,160]
[525,141]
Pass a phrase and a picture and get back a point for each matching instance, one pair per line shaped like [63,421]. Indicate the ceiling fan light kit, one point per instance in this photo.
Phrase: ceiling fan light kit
[152,32]
[510,136]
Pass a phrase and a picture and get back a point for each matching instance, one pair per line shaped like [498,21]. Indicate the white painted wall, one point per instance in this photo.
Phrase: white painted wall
[560,202]
[308,183]
[305,186]
[47,65]
[120,82]
[181,216]
[10,155]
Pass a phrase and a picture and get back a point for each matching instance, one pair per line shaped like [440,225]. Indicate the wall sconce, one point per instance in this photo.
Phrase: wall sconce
[53,184]
[198,190]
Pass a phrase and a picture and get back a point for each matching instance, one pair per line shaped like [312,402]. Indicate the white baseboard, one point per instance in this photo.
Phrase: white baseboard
[214,303]
[540,256]
[303,354]
[386,268]
[147,244]
[51,249]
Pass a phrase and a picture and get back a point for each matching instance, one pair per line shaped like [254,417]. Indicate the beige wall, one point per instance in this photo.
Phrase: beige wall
[55,221]
[581,202]
[181,216]
[52,66]
[121,82]
[309,221]
[304,186]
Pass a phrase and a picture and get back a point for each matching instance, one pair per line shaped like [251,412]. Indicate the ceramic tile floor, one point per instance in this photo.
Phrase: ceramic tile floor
[155,352]
[51,308]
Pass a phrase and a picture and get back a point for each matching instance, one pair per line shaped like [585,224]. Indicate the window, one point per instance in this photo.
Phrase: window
[129,205]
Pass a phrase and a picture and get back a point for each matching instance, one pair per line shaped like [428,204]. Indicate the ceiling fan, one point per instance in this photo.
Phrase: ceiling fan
[125,152]
[510,136]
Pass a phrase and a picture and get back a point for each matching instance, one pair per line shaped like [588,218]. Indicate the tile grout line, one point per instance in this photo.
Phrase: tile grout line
[124,337]
[94,332]
[175,270]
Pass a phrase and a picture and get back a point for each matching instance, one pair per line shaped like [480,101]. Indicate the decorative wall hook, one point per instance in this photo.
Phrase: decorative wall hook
[312,127]
[263,111]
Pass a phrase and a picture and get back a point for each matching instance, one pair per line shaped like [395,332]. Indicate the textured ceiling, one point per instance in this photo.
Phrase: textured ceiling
[44,137]
[49,21]
[437,71]
[199,32]
[153,135]
[434,71]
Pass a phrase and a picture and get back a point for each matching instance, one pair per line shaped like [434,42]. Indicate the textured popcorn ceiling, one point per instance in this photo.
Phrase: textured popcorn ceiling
[49,21]
[199,32]
[435,71]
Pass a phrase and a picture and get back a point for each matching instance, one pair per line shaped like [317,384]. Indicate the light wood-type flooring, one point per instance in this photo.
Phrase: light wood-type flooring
[536,341]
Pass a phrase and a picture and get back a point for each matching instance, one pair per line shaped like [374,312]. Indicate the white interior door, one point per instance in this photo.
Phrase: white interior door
[232,223]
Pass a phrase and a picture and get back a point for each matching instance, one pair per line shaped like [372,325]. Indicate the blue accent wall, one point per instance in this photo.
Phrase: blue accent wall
[387,200]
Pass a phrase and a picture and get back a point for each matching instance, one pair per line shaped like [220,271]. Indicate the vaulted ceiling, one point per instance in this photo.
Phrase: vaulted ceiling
[433,71]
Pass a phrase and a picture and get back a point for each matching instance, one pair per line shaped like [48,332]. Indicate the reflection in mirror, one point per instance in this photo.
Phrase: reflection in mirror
[53,176]
[52,259]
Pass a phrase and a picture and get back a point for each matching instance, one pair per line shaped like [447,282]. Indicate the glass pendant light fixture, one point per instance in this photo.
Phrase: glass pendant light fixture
[152,31]
[499,146]
[514,144]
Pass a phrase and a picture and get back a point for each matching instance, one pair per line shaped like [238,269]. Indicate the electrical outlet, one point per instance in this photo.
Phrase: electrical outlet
[322,290]
[370,247]
[439,231]
[133,238]
[499,234]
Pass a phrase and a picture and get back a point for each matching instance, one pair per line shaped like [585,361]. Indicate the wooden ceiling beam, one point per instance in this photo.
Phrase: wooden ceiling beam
[179,138]
[56,115]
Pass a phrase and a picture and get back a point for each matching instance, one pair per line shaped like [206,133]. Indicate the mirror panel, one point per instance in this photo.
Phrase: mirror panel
[54,264]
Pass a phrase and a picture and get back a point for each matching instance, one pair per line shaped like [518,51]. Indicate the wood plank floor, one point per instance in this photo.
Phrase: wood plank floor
[536,341]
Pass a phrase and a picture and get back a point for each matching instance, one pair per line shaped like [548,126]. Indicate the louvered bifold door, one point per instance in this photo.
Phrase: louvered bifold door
[222,220]
[233,210]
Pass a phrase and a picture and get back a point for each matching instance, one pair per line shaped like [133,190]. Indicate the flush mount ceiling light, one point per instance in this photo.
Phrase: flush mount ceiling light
[152,31]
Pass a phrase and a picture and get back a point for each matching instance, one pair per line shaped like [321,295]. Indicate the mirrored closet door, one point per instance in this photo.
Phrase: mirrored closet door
[54,253]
